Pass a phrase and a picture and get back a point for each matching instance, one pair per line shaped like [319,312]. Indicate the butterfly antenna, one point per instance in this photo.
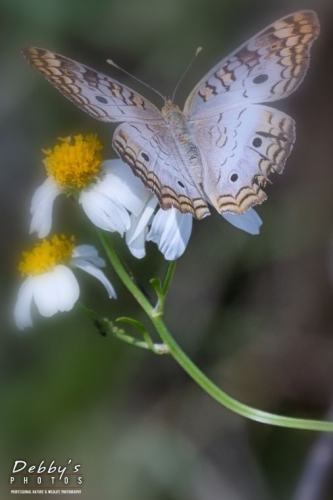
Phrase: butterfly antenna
[199,49]
[109,61]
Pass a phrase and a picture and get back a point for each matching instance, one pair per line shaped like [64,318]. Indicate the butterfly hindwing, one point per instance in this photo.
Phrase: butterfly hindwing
[270,66]
[152,154]
[241,148]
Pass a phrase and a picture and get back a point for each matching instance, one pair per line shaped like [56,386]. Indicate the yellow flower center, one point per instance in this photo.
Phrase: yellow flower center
[74,164]
[46,255]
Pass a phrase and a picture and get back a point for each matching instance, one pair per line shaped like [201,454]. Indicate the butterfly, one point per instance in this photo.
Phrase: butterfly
[222,147]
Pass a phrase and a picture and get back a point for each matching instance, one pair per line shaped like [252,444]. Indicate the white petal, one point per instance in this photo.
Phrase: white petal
[85,251]
[138,224]
[55,291]
[44,295]
[171,231]
[97,273]
[249,222]
[22,308]
[103,211]
[120,184]
[136,245]
[41,207]
[89,253]
[136,235]
[66,288]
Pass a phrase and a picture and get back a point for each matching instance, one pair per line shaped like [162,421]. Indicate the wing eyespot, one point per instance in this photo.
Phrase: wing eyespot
[233,177]
[180,184]
[145,156]
[260,79]
[101,99]
[257,142]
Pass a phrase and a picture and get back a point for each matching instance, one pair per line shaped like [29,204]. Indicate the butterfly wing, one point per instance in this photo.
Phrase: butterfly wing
[240,148]
[98,95]
[153,156]
[270,66]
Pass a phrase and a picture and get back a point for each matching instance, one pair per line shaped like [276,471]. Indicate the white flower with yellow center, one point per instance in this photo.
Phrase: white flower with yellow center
[107,191]
[50,283]
[114,199]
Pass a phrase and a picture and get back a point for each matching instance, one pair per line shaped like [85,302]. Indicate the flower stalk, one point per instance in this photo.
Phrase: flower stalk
[155,314]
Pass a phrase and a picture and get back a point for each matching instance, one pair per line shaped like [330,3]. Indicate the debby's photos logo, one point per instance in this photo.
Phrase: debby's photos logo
[46,478]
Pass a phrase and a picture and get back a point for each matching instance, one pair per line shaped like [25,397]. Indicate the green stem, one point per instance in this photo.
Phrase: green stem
[194,372]
[168,277]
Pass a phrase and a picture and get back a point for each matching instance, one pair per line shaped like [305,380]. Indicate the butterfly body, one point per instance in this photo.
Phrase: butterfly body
[222,147]
[185,141]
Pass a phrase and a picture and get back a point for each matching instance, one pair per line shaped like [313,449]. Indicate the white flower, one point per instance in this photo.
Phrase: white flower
[107,191]
[171,230]
[50,283]
[114,199]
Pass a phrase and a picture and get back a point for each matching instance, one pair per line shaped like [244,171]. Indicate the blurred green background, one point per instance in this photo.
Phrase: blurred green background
[255,313]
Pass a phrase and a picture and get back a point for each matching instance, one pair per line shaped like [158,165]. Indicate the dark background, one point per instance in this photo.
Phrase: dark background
[255,313]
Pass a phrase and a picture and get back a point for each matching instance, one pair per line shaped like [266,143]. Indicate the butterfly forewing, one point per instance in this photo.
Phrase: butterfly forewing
[99,95]
[270,66]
